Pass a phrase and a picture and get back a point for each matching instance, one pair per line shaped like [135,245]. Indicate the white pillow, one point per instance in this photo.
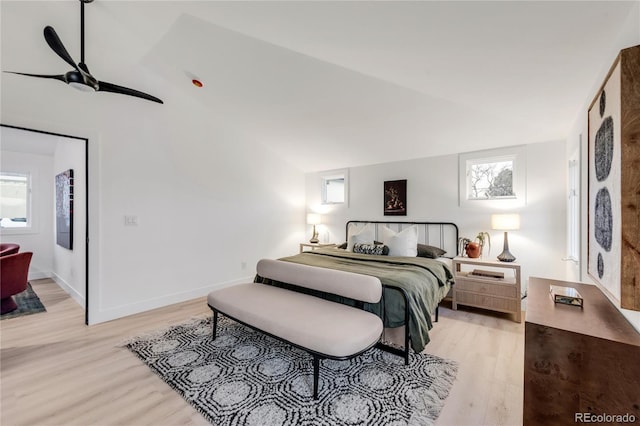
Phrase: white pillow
[365,235]
[404,243]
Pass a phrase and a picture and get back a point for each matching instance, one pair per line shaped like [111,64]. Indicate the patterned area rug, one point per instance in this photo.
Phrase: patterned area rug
[247,378]
[28,303]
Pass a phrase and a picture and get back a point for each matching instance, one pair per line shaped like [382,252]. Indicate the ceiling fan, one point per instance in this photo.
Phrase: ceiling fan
[80,77]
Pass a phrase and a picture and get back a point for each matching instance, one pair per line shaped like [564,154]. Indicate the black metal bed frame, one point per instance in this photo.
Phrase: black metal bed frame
[442,240]
[442,244]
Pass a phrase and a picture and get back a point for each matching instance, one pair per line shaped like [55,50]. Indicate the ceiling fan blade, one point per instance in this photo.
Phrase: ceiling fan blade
[56,45]
[54,77]
[108,87]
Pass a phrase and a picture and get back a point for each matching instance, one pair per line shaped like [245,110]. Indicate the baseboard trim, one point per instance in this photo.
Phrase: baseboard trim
[103,315]
[38,275]
[67,288]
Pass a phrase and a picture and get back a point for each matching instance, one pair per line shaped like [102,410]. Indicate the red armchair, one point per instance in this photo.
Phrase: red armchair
[14,270]
[8,248]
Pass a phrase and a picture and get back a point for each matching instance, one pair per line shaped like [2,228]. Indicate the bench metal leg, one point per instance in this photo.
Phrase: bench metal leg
[215,324]
[437,310]
[406,345]
[316,374]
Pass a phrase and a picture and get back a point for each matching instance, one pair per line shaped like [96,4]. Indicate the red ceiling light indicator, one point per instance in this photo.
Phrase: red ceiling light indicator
[194,79]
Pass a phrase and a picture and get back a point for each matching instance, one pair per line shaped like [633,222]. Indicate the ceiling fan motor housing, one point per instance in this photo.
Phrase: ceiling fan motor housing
[78,81]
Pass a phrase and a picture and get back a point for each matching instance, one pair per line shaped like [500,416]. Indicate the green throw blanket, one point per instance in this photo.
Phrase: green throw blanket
[426,282]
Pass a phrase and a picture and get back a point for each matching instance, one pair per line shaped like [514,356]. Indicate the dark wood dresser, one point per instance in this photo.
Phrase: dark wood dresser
[578,360]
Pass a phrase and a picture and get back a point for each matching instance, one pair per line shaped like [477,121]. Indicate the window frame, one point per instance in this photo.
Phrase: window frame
[515,154]
[492,160]
[329,176]
[31,224]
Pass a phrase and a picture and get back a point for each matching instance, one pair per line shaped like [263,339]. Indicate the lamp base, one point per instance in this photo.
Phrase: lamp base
[506,256]
[314,238]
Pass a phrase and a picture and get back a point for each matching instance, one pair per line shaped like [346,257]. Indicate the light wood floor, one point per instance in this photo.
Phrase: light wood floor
[57,371]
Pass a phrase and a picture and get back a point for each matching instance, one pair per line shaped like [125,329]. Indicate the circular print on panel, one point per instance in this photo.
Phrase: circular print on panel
[600,265]
[604,149]
[604,219]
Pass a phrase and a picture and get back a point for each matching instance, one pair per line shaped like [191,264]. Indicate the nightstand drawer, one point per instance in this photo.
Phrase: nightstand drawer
[488,302]
[486,287]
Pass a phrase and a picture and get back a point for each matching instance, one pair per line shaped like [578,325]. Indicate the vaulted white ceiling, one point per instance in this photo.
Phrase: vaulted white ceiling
[336,84]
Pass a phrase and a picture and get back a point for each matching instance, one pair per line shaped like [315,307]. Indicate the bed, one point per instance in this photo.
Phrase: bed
[412,286]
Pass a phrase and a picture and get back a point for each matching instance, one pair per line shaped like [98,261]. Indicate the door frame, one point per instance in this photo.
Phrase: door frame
[86,237]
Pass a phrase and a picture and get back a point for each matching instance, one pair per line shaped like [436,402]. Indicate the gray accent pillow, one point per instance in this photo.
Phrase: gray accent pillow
[376,249]
[432,252]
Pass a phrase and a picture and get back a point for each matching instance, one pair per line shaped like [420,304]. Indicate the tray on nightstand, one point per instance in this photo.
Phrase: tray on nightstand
[488,274]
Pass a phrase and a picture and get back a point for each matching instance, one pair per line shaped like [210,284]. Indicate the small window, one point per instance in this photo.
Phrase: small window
[15,200]
[495,176]
[573,209]
[490,179]
[335,190]
[334,187]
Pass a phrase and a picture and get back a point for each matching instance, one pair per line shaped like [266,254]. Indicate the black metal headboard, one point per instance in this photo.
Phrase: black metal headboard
[439,234]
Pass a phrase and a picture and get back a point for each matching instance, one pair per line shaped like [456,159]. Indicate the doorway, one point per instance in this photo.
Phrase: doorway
[40,156]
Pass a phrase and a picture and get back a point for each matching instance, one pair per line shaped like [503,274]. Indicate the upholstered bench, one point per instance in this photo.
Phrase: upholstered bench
[323,328]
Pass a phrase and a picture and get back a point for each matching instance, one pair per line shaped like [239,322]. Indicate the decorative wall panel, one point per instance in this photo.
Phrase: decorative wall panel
[614,182]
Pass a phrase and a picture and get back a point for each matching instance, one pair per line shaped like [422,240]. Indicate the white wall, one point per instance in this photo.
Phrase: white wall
[432,195]
[39,239]
[208,200]
[69,269]
[578,139]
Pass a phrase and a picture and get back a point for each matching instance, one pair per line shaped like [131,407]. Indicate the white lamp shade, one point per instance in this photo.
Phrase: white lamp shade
[313,218]
[505,222]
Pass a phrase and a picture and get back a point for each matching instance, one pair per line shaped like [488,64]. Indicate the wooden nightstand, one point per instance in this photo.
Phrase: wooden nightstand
[496,294]
[314,246]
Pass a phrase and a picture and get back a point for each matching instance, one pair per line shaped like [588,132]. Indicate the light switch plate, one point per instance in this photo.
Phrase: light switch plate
[131,221]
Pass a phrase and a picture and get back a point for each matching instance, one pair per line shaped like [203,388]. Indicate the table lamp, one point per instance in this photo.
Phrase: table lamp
[505,222]
[313,219]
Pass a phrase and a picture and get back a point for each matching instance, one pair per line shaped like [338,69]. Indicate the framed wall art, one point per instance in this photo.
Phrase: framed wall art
[614,182]
[64,209]
[395,198]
